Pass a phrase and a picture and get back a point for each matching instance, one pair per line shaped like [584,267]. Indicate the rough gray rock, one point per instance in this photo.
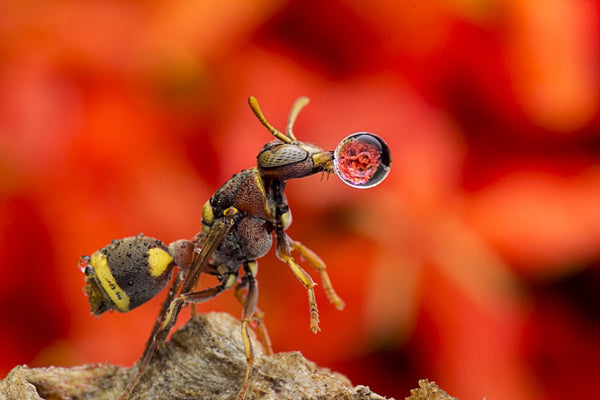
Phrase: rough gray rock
[203,360]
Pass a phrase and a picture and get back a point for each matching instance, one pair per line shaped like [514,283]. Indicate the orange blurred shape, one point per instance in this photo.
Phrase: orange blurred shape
[544,223]
[553,55]
[473,347]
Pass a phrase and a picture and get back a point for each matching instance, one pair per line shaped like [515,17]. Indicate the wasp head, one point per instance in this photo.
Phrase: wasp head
[283,161]
[361,160]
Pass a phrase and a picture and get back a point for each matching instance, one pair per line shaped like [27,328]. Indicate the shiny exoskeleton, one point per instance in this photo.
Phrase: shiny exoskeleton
[129,272]
[238,225]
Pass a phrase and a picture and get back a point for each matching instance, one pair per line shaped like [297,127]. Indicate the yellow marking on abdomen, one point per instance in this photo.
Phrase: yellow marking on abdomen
[107,280]
[158,261]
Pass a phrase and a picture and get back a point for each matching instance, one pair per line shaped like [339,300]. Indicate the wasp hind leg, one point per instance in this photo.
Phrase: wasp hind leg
[150,344]
[161,334]
[247,313]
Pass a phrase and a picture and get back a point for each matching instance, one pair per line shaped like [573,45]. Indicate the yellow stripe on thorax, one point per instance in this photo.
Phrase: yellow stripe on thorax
[158,261]
[107,280]
[259,184]
[207,213]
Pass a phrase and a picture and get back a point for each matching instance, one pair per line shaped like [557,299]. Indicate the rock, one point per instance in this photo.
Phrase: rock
[428,390]
[203,360]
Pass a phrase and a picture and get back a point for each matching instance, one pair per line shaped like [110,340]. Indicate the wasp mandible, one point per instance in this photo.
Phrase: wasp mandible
[238,225]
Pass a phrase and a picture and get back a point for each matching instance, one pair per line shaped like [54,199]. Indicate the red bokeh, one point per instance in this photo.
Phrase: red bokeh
[475,264]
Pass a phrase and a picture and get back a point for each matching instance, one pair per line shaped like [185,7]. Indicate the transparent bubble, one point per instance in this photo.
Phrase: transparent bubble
[83,263]
[362,160]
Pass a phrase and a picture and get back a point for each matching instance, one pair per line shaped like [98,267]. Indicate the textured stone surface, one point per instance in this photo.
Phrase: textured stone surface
[428,390]
[203,360]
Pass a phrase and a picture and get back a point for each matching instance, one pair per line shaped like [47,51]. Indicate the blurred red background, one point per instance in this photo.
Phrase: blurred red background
[475,264]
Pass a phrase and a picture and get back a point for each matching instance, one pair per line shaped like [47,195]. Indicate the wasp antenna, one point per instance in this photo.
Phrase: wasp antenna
[296,107]
[256,110]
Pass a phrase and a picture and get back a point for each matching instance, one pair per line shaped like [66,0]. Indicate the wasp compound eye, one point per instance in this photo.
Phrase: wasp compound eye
[362,160]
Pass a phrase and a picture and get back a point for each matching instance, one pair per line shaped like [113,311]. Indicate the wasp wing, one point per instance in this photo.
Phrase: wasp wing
[208,244]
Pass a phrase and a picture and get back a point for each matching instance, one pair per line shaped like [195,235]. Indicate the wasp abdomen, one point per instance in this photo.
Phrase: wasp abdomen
[127,273]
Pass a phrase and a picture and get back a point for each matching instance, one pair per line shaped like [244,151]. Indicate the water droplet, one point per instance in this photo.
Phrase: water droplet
[362,160]
[83,262]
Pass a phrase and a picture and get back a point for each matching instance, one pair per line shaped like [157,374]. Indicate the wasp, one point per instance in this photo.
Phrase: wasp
[239,223]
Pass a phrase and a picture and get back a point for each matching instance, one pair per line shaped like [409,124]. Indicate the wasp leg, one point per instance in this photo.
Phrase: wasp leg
[207,294]
[247,313]
[163,331]
[283,253]
[175,286]
[249,307]
[313,259]
[209,245]
[150,344]
[258,314]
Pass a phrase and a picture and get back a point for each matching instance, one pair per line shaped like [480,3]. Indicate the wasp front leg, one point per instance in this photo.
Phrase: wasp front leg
[283,253]
[313,259]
